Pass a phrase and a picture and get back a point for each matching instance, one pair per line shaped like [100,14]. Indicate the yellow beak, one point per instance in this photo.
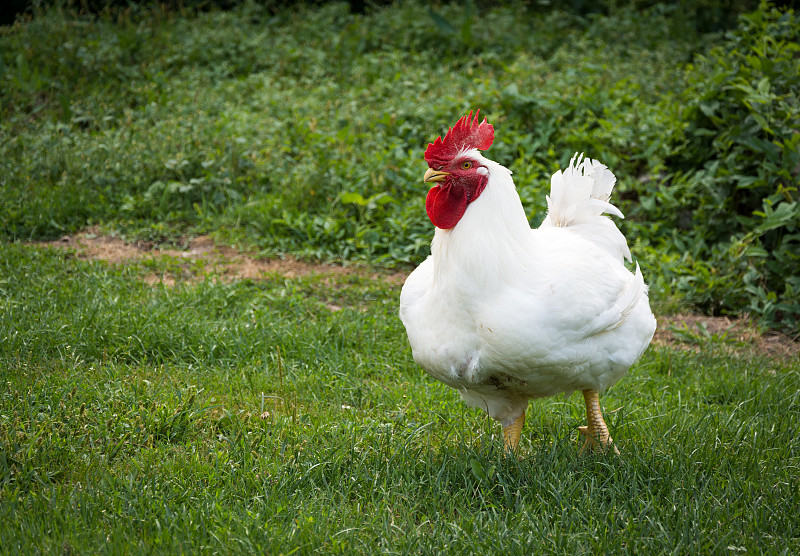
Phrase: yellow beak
[435,175]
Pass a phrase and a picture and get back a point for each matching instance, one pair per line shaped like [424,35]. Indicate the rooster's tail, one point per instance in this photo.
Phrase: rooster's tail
[579,198]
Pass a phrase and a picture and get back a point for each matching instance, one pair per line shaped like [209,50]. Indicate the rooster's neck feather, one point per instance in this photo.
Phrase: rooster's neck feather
[493,232]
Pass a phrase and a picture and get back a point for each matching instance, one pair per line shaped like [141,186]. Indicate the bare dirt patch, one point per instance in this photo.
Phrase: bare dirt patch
[695,332]
[202,253]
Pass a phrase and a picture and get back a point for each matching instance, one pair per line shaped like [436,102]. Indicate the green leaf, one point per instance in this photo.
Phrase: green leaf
[441,22]
[784,214]
[353,199]
[477,469]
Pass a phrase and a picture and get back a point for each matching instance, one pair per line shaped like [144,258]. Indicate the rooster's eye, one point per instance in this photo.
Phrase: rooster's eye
[466,165]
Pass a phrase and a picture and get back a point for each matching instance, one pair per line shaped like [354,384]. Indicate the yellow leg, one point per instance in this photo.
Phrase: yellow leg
[512,433]
[596,433]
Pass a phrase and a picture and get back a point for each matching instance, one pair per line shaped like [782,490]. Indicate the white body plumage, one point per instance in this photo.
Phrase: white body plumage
[504,313]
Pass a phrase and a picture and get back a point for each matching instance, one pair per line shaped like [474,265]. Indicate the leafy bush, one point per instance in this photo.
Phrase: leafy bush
[731,197]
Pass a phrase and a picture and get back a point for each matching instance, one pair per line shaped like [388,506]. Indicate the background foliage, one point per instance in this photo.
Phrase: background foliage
[301,130]
[169,405]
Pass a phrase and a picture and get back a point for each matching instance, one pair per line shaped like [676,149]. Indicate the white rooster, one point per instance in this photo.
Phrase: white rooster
[504,313]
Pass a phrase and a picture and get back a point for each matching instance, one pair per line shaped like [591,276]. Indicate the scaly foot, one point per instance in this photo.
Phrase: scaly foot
[596,433]
[512,433]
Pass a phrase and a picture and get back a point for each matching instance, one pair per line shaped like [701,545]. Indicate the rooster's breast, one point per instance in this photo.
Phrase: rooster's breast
[441,330]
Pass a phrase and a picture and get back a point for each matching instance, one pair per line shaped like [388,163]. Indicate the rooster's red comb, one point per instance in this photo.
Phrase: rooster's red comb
[465,135]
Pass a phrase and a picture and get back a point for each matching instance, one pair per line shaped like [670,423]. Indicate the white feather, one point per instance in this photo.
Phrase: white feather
[579,197]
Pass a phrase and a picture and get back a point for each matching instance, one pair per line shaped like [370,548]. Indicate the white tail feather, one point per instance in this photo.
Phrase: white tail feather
[579,198]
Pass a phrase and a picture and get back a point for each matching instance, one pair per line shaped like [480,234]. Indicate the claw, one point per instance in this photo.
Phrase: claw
[595,444]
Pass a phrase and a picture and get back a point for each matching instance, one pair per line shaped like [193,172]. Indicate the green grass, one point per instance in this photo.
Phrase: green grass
[219,416]
[249,417]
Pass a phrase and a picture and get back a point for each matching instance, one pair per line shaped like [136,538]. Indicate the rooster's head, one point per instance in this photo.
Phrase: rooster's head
[458,175]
